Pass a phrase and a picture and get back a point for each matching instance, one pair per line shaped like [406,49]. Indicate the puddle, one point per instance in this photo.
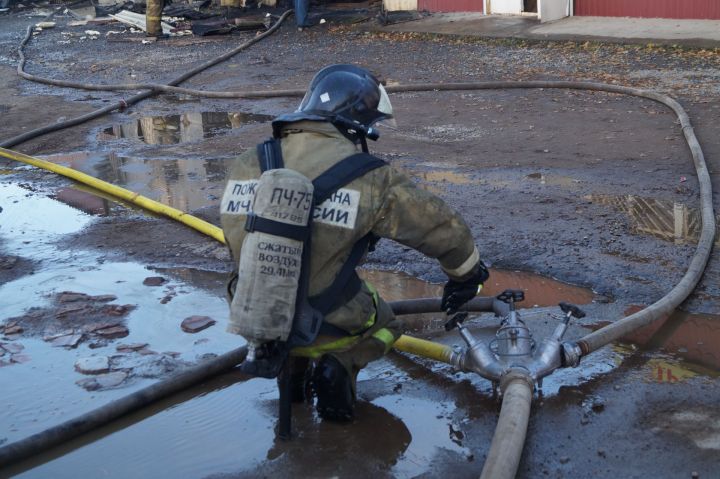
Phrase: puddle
[183,128]
[49,218]
[429,431]
[224,426]
[435,180]
[445,177]
[185,184]
[553,180]
[667,220]
[155,318]
[539,290]
[90,203]
[682,347]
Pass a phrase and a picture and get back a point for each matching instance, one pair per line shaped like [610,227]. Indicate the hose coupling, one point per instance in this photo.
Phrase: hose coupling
[516,374]
[122,105]
[571,354]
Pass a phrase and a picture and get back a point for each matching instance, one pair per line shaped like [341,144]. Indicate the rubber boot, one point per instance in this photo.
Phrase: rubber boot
[333,388]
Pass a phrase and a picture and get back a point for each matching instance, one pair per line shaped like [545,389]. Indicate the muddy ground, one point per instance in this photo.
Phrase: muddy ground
[581,187]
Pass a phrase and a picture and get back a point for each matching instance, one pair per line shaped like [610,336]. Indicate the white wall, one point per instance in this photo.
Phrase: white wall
[549,10]
[393,5]
[506,6]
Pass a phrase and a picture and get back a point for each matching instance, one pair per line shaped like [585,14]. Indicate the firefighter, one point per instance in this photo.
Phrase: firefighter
[334,121]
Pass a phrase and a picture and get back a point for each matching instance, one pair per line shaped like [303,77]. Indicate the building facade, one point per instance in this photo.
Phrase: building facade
[548,10]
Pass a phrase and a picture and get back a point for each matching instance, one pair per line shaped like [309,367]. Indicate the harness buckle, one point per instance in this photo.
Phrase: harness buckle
[250,222]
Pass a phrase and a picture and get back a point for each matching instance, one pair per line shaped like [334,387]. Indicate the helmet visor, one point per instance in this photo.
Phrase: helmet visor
[385,107]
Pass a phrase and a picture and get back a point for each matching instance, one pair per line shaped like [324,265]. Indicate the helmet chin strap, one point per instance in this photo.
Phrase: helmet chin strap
[359,131]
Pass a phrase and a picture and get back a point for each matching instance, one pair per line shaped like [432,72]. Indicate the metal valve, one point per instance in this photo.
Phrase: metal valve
[571,310]
[510,296]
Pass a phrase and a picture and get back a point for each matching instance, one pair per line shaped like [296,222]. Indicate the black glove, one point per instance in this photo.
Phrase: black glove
[457,293]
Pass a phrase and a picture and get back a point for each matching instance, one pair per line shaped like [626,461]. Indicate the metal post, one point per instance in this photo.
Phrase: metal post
[680,223]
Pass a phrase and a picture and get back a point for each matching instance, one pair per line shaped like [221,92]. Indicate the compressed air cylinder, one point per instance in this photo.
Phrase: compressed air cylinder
[269,267]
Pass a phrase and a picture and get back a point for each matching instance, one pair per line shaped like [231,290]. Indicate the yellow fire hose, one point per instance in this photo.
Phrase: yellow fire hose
[424,348]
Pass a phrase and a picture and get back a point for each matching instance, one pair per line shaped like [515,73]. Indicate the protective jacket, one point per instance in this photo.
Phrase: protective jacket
[383,202]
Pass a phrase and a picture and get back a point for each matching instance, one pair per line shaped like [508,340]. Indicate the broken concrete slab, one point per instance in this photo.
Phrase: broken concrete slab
[67,340]
[104,298]
[20,358]
[13,330]
[91,328]
[71,297]
[195,324]
[103,381]
[128,348]
[113,332]
[154,281]
[67,309]
[12,348]
[117,309]
[93,365]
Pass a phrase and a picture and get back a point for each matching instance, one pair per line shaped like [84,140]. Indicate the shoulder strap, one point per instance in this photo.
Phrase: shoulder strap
[270,157]
[340,174]
[346,283]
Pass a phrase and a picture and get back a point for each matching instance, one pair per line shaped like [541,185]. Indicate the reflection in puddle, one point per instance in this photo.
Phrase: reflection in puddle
[434,180]
[440,176]
[185,184]
[187,127]
[553,180]
[663,219]
[539,290]
[429,431]
[29,228]
[219,427]
[84,201]
[49,217]
[693,340]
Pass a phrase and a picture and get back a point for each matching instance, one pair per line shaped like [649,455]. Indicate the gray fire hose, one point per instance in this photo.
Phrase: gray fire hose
[509,438]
